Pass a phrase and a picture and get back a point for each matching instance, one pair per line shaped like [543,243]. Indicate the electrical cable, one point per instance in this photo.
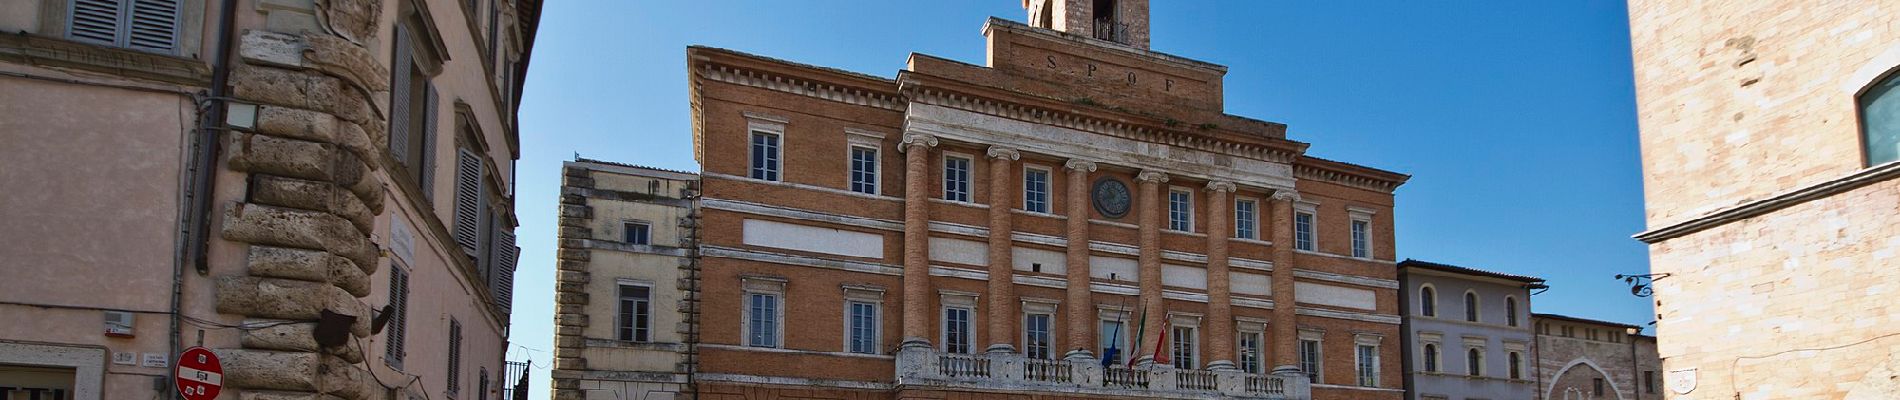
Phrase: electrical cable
[1733,388]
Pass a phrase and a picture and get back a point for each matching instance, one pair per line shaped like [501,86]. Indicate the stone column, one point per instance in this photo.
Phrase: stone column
[1002,273]
[1286,358]
[1220,312]
[1081,324]
[1150,209]
[916,148]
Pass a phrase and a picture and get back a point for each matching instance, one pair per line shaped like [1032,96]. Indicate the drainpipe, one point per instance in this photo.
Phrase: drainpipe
[210,124]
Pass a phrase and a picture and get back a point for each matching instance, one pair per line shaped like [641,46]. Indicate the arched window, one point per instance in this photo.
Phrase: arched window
[1471,306]
[1428,301]
[1510,310]
[1880,121]
[1517,366]
[1474,362]
[1431,357]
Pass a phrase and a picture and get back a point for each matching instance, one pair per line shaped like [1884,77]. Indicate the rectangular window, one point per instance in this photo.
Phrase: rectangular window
[1036,340]
[635,313]
[762,316]
[1303,231]
[956,179]
[1880,121]
[1180,210]
[863,170]
[1361,238]
[863,327]
[1517,365]
[1310,359]
[1111,336]
[956,330]
[765,156]
[638,233]
[1596,387]
[145,25]
[1035,190]
[1245,224]
[1184,348]
[455,356]
[1250,352]
[1368,365]
[1649,382]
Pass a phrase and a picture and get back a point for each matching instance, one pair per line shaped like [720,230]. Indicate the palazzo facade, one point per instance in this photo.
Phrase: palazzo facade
[968,230]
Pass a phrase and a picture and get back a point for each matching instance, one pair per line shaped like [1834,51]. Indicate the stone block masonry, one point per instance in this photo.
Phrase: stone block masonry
[310,215]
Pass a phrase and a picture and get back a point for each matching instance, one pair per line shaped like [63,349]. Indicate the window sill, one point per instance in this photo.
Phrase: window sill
[1184,233]
[959,203]
[1251,241]
[1037,214]
[52,51]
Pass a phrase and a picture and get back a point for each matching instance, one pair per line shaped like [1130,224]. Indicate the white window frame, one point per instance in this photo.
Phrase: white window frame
[1424,301]
[621,311]
[954,300]
[1048,199]
[1318,338]
[1251,222]
[624,233]
[1478,345]
[1361,341]
[1361,244]
[969,177]
[1258,328]
[1045,308]
[765,286]
[1187,214]
[860,139]
[1192,341]
[868,295]
[1112,315]
[1311,211]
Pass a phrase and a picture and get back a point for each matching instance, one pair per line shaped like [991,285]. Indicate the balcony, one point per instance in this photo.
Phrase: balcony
[924,367]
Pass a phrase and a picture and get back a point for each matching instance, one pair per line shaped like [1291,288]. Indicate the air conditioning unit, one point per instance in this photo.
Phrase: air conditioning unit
[119,324]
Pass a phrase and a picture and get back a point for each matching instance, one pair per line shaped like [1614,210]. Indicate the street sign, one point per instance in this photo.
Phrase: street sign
[199,374]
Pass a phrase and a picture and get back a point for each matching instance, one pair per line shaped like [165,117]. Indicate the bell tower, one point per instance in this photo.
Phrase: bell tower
[1119,21]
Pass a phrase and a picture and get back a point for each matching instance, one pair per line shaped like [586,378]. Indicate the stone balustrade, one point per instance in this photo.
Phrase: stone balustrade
[925,367]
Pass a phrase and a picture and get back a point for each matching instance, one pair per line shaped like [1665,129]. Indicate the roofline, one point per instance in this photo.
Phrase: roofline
[995,22]
[631,169]
[694,51]
[1411,263]
[1586,320]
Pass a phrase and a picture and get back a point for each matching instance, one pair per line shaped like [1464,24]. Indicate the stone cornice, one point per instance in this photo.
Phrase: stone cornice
[1774,202]
[708,63]
[926,89]
[1318,169]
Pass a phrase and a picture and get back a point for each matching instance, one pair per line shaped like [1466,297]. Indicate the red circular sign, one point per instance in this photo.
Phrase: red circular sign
[199,374]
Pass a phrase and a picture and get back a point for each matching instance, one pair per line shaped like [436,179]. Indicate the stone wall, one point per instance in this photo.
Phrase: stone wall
[309,217]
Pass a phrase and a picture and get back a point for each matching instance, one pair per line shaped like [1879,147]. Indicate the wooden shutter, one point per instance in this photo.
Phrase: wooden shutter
[154,25]
[427,152]
[468,204]
[455,356]
[501,281]
[96,21]
[398,322]
[399,97]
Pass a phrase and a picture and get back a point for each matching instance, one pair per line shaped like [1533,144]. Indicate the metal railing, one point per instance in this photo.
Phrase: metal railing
[925,367]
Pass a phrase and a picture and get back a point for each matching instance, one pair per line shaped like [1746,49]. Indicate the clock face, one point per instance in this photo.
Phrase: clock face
[1111,197]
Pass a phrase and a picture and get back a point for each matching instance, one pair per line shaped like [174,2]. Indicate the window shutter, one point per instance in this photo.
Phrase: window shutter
[501,281]
[468,192]
[398,296]
[399,98]
[455,356]
[154,25]
[96,21]
[427,152]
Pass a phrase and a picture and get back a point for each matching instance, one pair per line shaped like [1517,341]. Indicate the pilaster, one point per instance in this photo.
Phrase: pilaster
[1081,311]
[916,149]
[1220,312]
[1150,209]
[1002,307]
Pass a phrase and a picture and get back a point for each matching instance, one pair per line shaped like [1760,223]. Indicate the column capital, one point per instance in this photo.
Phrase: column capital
[1080,165]
[1220,186]
[916,139]
[998,151]
[1286,195]
[1152,176]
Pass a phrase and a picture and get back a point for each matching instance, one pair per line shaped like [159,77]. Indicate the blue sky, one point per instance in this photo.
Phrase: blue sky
[1516,120]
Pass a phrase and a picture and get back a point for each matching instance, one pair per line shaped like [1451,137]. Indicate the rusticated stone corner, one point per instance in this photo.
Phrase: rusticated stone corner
[259,224]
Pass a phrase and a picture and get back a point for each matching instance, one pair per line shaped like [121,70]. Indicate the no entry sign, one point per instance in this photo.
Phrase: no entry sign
[200,375]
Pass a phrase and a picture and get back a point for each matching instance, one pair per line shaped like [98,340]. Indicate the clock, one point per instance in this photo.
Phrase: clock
[1111,197]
